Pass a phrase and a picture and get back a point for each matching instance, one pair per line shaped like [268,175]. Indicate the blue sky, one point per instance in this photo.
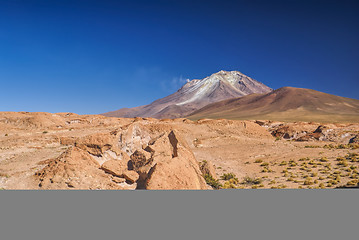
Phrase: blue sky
[91,57]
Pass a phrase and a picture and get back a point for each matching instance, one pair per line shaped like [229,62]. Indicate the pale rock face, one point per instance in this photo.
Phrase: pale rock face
[157,159]
[196,94]
[133,138]
[178,170]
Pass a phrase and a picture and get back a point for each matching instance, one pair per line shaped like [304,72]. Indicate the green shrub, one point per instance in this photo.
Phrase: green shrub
[352,182]
[228,176]
[332,182]
[308,181]
[234,181]
[283,163]
[266,169]
[272,182]
[258,161]
[292,163]
[228,185]
[251,181]
[323,159]
[343,163]
[212,182]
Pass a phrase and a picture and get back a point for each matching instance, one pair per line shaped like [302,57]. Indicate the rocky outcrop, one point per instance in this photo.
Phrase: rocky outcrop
[74,169]
[133,157]
[177,170]
[302,131]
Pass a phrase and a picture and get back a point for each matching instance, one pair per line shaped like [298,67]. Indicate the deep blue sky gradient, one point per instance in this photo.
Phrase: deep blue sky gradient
[96,56]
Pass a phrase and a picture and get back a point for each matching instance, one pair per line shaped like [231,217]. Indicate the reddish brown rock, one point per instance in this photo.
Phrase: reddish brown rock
[177,170]
[119,169]
[96,144]
[74,168]
[114,167]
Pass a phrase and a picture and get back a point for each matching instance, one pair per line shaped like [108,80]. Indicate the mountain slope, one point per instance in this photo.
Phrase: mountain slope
[284,104]
[196,94]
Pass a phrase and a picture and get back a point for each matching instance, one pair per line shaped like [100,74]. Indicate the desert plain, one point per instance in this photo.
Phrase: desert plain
[70,151]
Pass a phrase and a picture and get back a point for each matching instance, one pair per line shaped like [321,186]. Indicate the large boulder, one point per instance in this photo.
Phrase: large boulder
[74,169]
[176,170]
[96,144]
[119,169]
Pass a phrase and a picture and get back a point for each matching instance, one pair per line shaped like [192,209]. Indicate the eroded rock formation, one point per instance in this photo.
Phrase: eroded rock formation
[133,157]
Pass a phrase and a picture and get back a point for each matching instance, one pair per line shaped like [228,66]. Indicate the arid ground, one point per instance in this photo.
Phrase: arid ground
[70,151]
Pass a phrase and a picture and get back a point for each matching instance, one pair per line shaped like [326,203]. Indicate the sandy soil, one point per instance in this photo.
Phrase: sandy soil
[243,148]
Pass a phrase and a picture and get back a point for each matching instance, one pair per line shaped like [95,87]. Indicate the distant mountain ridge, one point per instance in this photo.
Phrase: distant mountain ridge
[284,104]
[196,94]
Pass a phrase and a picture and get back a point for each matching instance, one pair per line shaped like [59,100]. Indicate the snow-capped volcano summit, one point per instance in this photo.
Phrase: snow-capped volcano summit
[237,85]
[196,94]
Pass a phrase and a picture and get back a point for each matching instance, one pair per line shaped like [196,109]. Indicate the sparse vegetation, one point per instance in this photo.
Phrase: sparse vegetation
[308,181]
[323,159]
[230,184]
[228,176]
[353,182]
[272,182]
[251,181]
[311,146]
[212,182]
[266,170]
[258,161]
[342,146]
[283,163]
[292,163]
